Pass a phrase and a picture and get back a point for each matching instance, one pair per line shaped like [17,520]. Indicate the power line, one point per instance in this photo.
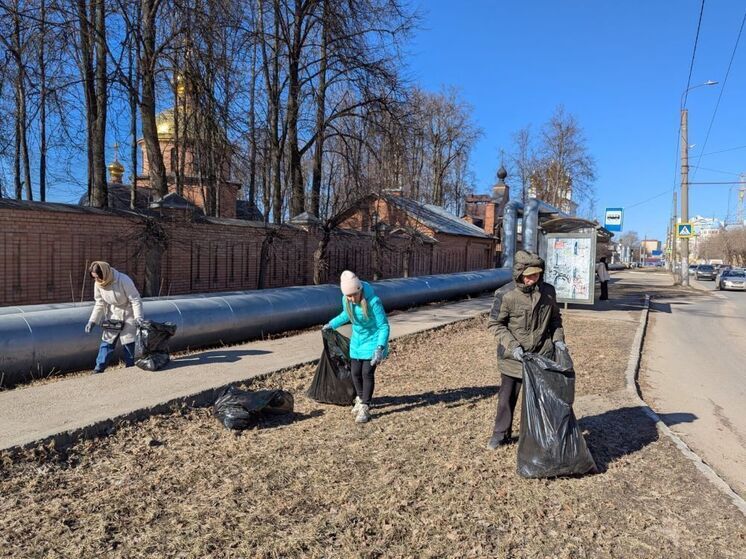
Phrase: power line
[722,151]
[694,52]
[686,94]
[667,191]
[722,89]
[717,171]
[716,182]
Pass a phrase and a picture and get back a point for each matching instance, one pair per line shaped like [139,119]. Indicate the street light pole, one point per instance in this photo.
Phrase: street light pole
[685,194]
[685,180]
[674,243]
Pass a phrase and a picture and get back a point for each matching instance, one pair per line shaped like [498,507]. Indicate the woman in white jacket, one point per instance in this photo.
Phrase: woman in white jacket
[117,299]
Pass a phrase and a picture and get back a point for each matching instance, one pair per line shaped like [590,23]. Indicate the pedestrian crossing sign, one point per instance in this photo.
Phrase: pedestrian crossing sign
[684,230]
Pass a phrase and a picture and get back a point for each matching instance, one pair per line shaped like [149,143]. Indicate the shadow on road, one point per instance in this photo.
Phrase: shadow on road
[215,356]
[616,433]
[452,398]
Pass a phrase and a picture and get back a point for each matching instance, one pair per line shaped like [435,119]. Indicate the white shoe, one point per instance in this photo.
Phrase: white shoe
[363,415]
[356,406]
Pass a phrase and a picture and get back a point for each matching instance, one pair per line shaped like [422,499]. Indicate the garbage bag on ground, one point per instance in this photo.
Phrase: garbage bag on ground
[154,361]
[241,409]
[151,347]
[332,383]
[551,443]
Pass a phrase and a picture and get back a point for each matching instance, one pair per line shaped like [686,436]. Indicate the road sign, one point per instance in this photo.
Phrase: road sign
[684,230]
[613,219]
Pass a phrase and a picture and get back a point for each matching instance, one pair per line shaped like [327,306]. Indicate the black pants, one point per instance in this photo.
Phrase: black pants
[604,290]
[507,399]
[363,378]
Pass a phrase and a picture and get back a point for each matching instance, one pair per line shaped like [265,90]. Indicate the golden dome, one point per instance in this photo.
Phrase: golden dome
[116,171]
[182,85]
[164,123]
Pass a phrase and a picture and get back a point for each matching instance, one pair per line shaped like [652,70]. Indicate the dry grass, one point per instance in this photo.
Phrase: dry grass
[415,482]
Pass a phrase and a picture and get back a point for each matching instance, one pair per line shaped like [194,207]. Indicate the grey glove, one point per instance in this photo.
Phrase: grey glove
[326,327]
[562,346]
[377,356]
[89,327]
[518,353]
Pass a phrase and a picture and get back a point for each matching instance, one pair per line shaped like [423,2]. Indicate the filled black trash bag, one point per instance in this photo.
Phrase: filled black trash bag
[154,361]
[241,409]
[332,383]
[551,443]
[151,344]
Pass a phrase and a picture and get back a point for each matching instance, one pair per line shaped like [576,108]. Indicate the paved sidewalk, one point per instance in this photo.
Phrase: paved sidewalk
[90,404]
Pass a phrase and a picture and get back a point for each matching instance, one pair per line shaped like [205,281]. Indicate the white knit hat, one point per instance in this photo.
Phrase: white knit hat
[349,283]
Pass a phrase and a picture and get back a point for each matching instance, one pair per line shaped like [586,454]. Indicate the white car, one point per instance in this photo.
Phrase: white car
[733,279]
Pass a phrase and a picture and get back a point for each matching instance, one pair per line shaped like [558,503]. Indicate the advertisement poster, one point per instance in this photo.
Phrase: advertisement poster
[570,266]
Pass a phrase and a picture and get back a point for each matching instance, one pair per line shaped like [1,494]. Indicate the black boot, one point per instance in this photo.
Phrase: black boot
[498,439]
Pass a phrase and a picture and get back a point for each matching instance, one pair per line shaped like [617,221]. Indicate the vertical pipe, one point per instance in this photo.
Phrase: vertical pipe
[531,226]
[510,226]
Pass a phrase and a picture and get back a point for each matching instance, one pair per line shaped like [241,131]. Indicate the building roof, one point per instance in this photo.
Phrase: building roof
[10,204]
[172,201]
[305,219]
[572,224]
[436,218]
[247,210]
[119,197]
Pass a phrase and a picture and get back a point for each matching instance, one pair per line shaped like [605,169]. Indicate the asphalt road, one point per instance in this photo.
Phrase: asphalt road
[694,375]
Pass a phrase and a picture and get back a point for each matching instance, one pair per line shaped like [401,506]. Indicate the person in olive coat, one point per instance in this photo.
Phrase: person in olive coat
[525,319]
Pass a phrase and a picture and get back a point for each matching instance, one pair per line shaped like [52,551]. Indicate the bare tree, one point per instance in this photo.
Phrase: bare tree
[523,160]
[567,170]
[149,10]
[556,167]
[16,42]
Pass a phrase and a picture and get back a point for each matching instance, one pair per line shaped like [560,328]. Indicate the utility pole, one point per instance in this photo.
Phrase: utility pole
[674,244]
[741,192]
[684,194]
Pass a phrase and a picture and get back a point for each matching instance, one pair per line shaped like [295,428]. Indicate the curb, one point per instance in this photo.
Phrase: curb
[633,368]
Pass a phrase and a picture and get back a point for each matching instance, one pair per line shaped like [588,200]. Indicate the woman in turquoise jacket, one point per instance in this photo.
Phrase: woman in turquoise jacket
[369,340]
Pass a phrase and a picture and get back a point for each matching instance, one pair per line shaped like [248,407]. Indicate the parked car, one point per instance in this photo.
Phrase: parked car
[705,271]
[733,279]
[692,269]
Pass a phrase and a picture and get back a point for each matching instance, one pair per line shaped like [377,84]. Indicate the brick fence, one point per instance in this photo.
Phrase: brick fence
[45,249]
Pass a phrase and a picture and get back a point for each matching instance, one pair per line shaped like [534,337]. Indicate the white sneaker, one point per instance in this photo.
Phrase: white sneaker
[363,415]
[356,406]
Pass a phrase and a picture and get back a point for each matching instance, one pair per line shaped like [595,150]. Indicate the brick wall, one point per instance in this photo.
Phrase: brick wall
[45,250]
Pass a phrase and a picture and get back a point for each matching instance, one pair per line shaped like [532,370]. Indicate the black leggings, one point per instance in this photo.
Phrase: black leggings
[363,378]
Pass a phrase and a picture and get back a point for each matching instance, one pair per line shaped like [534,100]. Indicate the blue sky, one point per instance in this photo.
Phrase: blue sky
[620,68]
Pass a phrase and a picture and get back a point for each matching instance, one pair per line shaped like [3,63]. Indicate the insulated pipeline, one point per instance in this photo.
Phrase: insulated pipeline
[38,340]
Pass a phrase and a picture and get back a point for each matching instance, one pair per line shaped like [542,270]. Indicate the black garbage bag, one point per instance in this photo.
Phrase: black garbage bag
[151,344]
[551,443]
[240,409]
[332,383]
[154,361]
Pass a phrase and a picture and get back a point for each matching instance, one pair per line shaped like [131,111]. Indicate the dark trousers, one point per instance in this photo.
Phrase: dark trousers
[363,378]
[507,398]
[604,290]
[106,349]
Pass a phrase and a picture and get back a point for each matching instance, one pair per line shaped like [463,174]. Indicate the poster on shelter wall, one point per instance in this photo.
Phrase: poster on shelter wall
[570,266]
